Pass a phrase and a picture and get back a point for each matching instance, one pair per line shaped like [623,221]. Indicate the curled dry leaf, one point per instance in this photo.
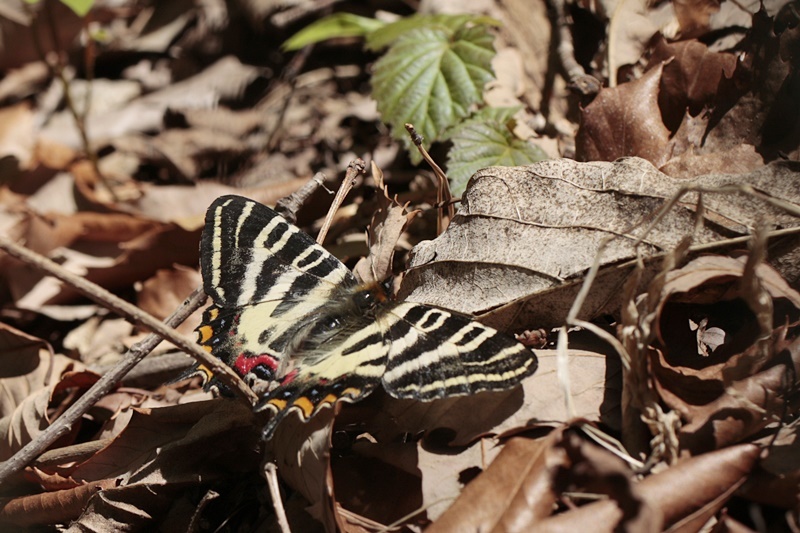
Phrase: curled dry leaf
[56,507]
[738,388]
[518,248]
[27,364]
[32,416]
[388,224]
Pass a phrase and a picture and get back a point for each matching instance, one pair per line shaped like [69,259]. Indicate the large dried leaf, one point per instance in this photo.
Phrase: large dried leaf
[685,495]
[524,236]
[516,482]
[732,375]
[55,507]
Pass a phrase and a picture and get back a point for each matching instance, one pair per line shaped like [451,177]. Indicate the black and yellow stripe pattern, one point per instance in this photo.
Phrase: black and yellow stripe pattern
[293,322]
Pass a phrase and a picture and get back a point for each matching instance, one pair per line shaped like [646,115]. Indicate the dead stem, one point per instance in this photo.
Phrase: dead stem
[57,71]
[131,313]
[63,424]
[356,167]
[271,474]
[443,195]
[288,206]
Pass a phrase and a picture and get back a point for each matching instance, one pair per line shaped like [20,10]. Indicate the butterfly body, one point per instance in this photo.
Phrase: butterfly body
[293,321]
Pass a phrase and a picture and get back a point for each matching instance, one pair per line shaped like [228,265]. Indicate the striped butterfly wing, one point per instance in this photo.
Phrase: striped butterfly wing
[268,281]
[250,254]
[436,353]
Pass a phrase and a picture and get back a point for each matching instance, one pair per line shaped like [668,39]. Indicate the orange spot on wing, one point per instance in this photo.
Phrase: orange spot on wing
[330,398]
[205,333]
[305,405]
[207,374]
[280,404]
[213,313]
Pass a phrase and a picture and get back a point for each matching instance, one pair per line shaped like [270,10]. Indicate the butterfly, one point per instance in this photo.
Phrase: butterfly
[296,325]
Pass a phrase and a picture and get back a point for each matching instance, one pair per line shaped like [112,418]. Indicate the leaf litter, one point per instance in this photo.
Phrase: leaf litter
[692,385]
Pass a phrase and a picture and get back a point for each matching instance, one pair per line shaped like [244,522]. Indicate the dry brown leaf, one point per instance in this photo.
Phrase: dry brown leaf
[625,121]
[27,364]
[30,417]
[515,485]
[302,454]
[163,293]
[445,471]
[524,236]
[55,507]
[226,79]
[157,446]
[688,493]
[17,135]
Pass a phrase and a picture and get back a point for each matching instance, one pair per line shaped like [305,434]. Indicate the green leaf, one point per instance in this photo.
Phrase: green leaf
[501,115]
[80,7]
[391,32]
[336,25]
[431,77]
[478,145]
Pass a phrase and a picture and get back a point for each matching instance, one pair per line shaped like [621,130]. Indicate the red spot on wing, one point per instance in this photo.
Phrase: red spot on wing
[245,363]
[288,378]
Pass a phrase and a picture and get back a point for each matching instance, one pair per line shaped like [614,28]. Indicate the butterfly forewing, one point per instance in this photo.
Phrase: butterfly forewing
[435,353]
[250,254]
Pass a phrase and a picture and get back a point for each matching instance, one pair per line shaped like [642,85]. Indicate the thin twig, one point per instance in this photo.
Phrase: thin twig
[271,473]
[356,167]
[57,70]
[132,313]
[443,195]
[288,206]
[104,385]
[579,80]
[289,77]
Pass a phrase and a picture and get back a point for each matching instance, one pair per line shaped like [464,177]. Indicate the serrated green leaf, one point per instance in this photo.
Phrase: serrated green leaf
[485,144]
[80,7]
[500,115]
[450,23]
[431,77]
[336,25]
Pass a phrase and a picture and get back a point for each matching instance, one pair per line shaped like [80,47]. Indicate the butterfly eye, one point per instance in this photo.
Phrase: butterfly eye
[364,300]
